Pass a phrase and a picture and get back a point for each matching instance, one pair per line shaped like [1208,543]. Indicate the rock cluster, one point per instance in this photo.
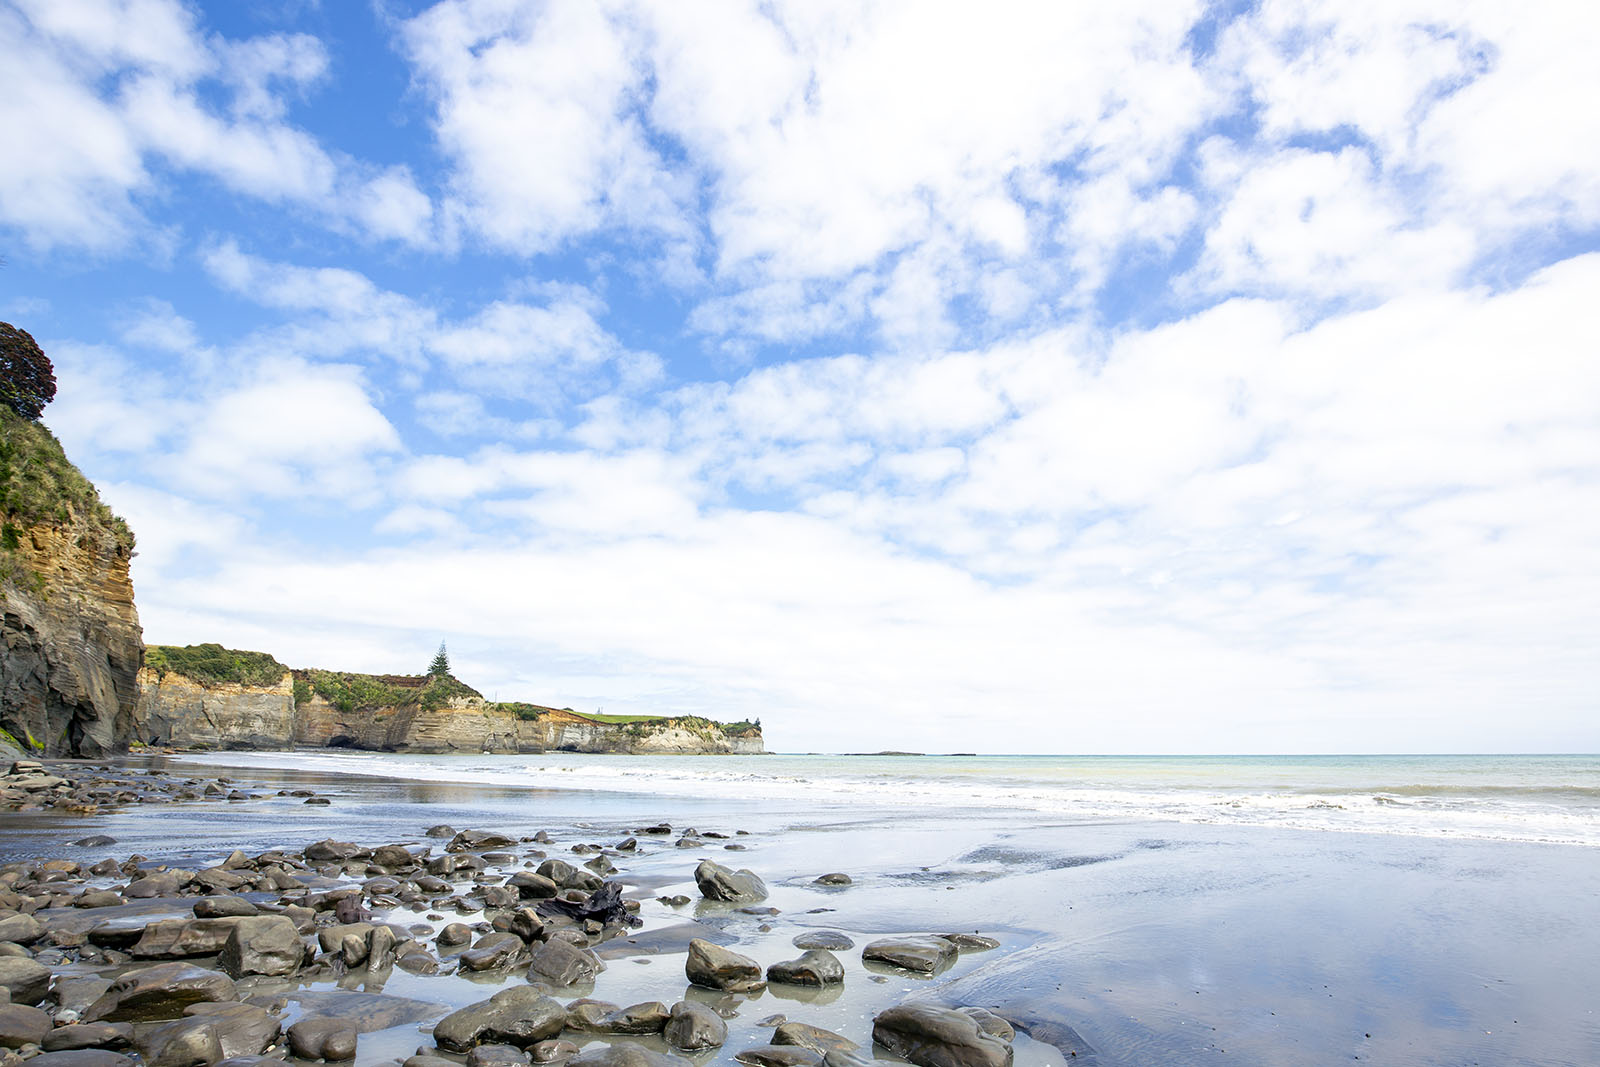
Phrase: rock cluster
[190,968]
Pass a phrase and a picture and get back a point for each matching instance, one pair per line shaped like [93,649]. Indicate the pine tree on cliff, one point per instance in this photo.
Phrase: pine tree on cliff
[27,380]
[440,667]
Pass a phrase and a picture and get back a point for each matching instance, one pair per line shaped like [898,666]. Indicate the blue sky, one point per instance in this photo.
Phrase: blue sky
[1153,377]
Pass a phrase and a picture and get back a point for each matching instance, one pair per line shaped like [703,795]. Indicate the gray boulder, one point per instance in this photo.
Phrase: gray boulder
[815,1038]
[21,929]
[177,938]
[715,967]
[646,1018]
[88,1035]
[563,964]
[242,1029]
[832,940]
[24,981]
[493,951]
[717,882]
[519,1016]
[185,1043]
[320,1037]
[931,1036]
[914,953]
[817,967]
[262,944]
[497,1056]
[86,1057]
[21,1025]
[778,1056]
[159,992]
[693,1027]
[624,1056]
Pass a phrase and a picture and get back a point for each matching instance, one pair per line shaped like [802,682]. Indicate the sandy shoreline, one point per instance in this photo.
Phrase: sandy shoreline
[1124,942]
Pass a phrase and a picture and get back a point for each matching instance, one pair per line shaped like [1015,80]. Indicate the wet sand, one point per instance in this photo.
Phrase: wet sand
[1121,943]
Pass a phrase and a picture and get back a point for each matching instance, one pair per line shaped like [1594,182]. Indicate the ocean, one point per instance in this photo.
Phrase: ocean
[1552,799]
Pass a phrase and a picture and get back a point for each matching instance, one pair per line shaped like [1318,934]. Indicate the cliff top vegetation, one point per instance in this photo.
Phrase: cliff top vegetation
[215,664]
[39,486]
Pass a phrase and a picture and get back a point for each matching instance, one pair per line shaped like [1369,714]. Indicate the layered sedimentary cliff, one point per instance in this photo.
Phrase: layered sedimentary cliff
[179,710]
[70,642]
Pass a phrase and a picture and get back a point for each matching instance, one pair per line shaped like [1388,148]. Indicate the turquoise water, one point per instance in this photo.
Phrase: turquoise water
[1537,798]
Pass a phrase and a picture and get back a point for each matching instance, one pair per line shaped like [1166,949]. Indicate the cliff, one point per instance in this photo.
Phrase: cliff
[70,641]
[220,709]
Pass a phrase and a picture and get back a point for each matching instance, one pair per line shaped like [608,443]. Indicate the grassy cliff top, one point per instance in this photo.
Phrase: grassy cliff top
[349,692]
[39,486]
[215,664]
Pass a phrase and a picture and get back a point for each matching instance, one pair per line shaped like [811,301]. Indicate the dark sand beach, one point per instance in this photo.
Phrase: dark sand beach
[1120,942]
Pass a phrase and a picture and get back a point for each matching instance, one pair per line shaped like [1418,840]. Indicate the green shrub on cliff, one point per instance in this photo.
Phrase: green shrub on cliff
[352,692]
[39,486]
[215,664]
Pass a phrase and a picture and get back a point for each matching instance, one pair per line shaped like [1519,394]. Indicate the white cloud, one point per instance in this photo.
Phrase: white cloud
[131,82]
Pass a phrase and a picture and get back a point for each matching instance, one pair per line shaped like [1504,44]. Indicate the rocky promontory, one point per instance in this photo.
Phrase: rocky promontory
[209,697]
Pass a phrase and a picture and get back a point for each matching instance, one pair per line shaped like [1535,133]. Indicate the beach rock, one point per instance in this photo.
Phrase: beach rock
[624,1056]
[646,1018]
[157,884]
[717,882]
[159,992]
[477,840]
[21,1025]
[97,898]
[815,1038]
[832,940]
[526,924]
[552,1051]
[322,1038]
[439,831]
[715,967]
[424,1060]
[991,1024]
[817,967]
[88,1035]
[779,1056]
[835,878]
[367,1012]
[74,993]
[563,964]
[24,981]
[560,872]
[931,1036]
[178,938]
[185,1043]
[262,944]
[971,942]
[242,1029]
[533,886]
[497,1056]
[914,953]
[520,1016]
[380,948]
[587,1013]
[393,856]
[693,1026]
[21,929]
[223,907]
[87,1057]
[454,934]
[493,951]
[331,850]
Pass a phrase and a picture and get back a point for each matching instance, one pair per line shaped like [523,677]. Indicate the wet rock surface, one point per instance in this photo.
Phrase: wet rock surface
[242,959]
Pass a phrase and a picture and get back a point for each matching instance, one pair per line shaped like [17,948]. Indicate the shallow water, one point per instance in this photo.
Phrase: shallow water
[1127,940]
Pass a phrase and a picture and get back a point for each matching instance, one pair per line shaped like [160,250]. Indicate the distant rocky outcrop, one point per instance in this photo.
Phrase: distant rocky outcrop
[213,706]
[70,641]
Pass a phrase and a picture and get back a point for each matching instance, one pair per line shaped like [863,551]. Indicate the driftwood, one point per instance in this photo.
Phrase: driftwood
[603,905]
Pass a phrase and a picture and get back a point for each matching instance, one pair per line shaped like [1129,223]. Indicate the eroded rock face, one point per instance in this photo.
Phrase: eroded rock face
[70,650]
[173,708]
